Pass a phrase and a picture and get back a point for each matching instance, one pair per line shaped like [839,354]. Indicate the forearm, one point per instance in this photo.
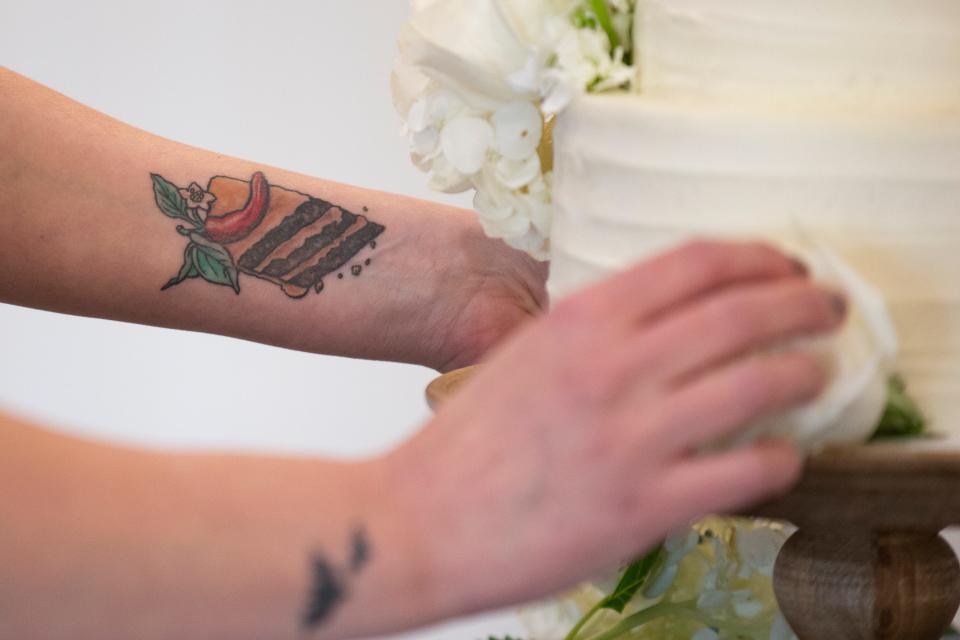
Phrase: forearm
[360,273]
[104,543]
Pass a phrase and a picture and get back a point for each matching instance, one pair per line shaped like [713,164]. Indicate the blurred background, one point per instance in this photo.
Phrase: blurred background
[182,69]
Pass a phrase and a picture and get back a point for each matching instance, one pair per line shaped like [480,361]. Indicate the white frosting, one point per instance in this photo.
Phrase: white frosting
[857,54]
[638,175]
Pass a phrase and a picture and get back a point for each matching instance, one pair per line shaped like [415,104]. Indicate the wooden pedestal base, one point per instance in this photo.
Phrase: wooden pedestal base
[867,562]
[862,585]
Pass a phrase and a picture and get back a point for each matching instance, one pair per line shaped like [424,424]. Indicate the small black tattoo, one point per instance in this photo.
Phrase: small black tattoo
[360,553]
[367,262]
[373,244]
[329,584]
[326,594]
[365,210]
[339,276]
[356,269]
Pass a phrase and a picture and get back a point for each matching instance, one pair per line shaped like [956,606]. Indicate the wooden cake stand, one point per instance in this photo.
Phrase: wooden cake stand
[867,561]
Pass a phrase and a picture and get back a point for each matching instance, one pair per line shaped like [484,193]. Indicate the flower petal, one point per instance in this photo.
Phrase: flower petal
[515,174]
[407,83]
[425,142]
[469,46]
[518,127]
[465,143]
[445,178]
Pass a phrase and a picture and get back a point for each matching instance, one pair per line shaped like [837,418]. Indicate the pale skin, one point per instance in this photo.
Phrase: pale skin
[571,451]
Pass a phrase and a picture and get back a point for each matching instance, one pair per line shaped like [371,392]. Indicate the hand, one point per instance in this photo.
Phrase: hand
[490,291]
[575,448]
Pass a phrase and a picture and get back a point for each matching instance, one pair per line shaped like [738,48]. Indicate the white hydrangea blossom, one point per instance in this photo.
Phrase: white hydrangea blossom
[720,572]
[477,81]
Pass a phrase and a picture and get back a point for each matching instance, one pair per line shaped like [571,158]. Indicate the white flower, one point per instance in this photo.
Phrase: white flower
[758,547]
[475,80]
[465,142]
[515,174]
[198,200]
[550,619]
[518,127]
[407,85]
[745,605]
[859,359]
[469,46]
[501,213]
[445,178]
[480,126]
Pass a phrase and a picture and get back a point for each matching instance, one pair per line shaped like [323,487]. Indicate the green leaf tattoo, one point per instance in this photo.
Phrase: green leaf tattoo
[168,198]
[209,261]
[188,270]
[285,237]
[214,263]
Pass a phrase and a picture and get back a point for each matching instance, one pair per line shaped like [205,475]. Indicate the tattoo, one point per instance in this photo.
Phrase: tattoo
[360,552]
[325,595]
[252,227]
[329,585]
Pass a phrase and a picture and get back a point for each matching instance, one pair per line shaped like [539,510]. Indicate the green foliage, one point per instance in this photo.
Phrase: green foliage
[202,258]
[593,14]
[902,417]
[602,13]
[632,580]
[209,261]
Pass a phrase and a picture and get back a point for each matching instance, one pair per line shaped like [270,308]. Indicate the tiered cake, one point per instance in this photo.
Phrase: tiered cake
[831,128]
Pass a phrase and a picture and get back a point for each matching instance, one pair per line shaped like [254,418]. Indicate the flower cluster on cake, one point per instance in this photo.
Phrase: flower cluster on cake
[596,133]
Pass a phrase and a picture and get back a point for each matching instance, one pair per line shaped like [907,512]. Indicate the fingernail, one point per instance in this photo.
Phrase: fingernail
[839,304]
[800,266]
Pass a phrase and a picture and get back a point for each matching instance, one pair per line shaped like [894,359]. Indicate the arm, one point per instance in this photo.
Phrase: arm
[91,210]
[573,450]
[103,542]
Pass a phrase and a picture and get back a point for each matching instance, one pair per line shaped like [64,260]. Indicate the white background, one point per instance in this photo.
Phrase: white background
[185,70]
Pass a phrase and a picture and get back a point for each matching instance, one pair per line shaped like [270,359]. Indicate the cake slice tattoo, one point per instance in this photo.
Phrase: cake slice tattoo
[252,227]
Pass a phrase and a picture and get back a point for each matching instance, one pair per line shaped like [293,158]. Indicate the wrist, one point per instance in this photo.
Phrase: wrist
[427,509]
[482,289]
[400,582]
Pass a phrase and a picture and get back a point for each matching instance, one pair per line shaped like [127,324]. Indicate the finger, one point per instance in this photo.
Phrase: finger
[721,401]
[734,322]
[657,285]
[728,482]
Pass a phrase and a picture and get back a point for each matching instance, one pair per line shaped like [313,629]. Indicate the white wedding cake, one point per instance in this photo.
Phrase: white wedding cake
[828,127]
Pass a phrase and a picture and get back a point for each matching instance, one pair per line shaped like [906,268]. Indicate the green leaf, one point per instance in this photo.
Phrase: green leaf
[214,263]
[632,580]
[168,198]
[902,417]
[209,261]
[188,270]
[602,13]
[583,18]
[216,266]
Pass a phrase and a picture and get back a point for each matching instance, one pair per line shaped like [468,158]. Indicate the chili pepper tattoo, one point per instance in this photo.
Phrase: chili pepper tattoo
[252,227]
